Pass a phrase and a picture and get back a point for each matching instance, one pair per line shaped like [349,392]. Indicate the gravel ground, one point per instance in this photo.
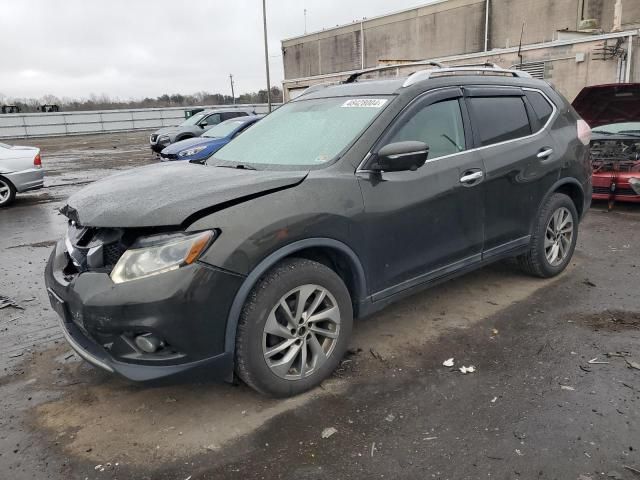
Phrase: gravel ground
[555,394]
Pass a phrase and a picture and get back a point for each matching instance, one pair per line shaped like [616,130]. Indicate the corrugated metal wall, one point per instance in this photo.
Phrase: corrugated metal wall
[24,125]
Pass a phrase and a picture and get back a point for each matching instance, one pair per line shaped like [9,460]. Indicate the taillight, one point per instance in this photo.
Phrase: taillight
[584,132]
[37,161]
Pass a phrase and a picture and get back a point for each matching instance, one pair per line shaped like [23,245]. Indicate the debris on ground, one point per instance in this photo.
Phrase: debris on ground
[390,418]
[618,354]
[327,432]
[631,469]
[632,364]
[448,363]
[469,369]
[373,448]
[9,302]
[494,399]
[588,283]
[16,355]
[567,387]
[594,361]
[376,355]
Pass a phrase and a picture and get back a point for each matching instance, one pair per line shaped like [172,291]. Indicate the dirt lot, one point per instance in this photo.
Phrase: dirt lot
[556,394]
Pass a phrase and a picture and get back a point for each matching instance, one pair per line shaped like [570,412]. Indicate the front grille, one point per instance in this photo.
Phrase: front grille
[112,253]
[94,248]
[621,192]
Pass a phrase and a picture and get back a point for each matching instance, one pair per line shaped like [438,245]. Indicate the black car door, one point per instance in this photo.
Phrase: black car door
[521,165]
[422,224]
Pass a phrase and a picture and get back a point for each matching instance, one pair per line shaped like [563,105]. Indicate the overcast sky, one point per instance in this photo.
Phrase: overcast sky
[138,48]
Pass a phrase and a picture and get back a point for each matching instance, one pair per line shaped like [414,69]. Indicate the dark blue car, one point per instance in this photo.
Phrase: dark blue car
[202,147]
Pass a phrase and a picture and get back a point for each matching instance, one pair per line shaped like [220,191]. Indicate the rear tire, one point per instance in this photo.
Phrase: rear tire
[284,347]
[7,192]
[554,238]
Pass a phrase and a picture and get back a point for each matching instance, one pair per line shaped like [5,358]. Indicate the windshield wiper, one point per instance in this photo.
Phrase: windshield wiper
[239,166]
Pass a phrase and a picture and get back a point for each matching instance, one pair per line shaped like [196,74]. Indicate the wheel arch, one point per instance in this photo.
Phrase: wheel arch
[572,188]
[330,252]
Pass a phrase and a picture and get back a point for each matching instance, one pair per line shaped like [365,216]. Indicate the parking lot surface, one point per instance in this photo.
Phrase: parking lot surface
[554,395]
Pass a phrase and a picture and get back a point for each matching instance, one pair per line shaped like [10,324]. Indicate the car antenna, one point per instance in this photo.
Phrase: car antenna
[520,46]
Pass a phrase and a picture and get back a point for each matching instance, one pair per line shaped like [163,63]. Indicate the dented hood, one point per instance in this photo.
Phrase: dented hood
[168,194]
[605,104]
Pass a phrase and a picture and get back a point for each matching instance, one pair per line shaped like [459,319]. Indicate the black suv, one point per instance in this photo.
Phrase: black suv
[340,202]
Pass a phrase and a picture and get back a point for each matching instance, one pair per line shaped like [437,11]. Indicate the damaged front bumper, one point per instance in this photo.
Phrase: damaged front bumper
[186,308]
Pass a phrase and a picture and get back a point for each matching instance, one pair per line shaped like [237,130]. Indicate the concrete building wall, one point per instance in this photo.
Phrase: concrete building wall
[541,19]
[444,28]
[569,65]
[438,29]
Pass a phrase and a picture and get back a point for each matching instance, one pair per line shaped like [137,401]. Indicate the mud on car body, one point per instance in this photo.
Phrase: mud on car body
[342,201]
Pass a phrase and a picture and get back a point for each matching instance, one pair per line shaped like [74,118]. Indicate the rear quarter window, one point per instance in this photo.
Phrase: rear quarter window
[498,119]
[540,105]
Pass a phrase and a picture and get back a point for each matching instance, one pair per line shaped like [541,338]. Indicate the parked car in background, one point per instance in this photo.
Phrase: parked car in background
[194,126]
[613,112]
[202,147]
[20,171]
[343,200]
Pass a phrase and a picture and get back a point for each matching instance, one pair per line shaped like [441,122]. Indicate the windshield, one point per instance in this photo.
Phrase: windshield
[303,133]
[615,128]
[192,120]
[223,129]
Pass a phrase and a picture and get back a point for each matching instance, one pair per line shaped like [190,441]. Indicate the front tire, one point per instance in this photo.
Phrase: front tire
[294,328]
[7,192]
[554,238]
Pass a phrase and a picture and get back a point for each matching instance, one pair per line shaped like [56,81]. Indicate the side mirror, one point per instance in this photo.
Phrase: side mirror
[203,124]
[401,156]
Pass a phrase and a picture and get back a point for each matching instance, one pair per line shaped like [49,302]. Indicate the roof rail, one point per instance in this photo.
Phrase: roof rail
[354,76]
[482,70]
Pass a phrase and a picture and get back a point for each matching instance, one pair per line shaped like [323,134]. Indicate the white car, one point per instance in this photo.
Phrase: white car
[20,171]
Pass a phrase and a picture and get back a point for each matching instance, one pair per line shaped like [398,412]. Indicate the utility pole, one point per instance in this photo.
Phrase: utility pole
[305,21]
[233,95]
[266,52]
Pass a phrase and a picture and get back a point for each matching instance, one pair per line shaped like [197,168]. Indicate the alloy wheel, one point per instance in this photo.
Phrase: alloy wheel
[558,236]
[301,332]
[5,192]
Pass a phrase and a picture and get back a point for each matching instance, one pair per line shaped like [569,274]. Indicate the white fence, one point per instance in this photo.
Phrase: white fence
[24,125]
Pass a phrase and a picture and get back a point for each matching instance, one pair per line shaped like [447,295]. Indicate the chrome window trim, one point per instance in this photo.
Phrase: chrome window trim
[530,89]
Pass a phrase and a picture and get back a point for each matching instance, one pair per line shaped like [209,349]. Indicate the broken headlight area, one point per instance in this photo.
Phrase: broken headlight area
[615,156]
[128,254]
[160,253]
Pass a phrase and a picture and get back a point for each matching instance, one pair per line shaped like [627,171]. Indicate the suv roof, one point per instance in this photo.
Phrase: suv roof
[424,80]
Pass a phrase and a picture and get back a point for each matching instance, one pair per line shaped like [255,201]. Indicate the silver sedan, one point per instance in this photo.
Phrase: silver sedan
[20,171]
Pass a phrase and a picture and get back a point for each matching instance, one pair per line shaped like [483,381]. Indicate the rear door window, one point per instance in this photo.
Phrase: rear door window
[540,105]
[498,119]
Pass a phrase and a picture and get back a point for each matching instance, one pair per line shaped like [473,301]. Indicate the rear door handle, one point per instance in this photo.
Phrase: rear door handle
[545,152]
[472,177]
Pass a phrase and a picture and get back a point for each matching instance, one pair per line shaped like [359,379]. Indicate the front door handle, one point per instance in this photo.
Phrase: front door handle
[472,177]
[545,153]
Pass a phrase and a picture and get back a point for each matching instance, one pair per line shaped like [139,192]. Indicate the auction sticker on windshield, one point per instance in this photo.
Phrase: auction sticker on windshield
[365,103]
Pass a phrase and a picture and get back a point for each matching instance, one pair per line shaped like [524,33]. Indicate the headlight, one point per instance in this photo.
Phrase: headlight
[635,184]
[153,255]
[191,151]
